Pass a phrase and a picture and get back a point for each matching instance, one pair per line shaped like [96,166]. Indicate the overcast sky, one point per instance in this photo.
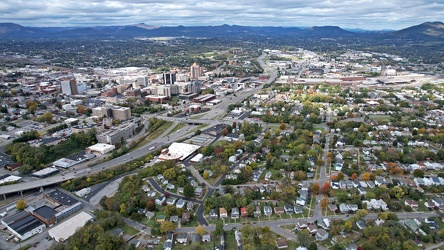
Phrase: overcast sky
[366,14]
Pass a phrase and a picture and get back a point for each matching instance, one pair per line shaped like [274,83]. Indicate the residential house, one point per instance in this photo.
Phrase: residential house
[288,209]
[321,234]
[174,218]
[160,218]
[134,242]
[180,203]
[324,223]
[411,203]
[356,184]
[302,224]
[118,232]
[257,212]
[351,246]
[362,191]
[343,208]
[342,185]
[235,213]
[170,186]
[151,193]
[182,238]
[195,238]
[312,229]
[371,184]
[223,213]
[186,217]
[268,211]
[171,201]
[279,210]
[244,212]
[206,238]
[281,243]
[360,224]
[213,214]
[190,205]
[160,199]
[349,184]
[298,210]
[198,191]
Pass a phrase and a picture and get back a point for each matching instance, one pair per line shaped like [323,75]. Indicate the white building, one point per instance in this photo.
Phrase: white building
[66,229]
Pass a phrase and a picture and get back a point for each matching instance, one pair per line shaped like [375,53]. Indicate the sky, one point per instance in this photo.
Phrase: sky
[364,14]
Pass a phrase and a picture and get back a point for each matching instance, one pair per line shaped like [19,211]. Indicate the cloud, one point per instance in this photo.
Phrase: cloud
[369,14]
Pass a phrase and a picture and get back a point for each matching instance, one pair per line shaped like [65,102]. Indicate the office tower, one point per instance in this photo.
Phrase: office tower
[195,71]
[69,87]
[169,78]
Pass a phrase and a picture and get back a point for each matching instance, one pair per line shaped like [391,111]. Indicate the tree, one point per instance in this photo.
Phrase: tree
[21,204]
[169,210]
[324,203]
[200,230]
[206,174]
[80,109]
[340,176]
[219,228]
[361,213]
[304,238]
[225,132]
[418,173]
[354,176]
[326,188]
[441,233]
[150,206]
[348,225]
[397,192]
[313,246]
[167,226]
[188,191]
[366,176]
[315,188]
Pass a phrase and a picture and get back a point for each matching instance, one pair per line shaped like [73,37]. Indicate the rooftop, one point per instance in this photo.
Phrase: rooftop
[62,198]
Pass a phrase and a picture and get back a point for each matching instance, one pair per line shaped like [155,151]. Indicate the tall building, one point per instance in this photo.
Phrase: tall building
[195,71]
[118,113]
[69,87]
[194,87]
[169,78]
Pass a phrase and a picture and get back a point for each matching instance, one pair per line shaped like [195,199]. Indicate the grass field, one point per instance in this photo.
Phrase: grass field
[159,131]
[178,127]
[198,116]
[129,230]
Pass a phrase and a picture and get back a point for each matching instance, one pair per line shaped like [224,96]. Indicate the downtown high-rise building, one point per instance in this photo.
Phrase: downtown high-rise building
[195,71]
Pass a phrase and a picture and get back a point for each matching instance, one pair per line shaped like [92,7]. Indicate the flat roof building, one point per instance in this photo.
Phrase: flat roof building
[178,151]
[23,225]
[101,148]
[64,230]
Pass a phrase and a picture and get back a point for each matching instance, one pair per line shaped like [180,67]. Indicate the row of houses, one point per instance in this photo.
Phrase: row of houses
[236,213]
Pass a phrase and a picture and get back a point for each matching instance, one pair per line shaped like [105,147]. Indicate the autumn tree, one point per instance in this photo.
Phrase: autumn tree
[167,226]
[200,230]
[21,204]
[334,177]
[80,109]
[354,176]
[150,206]
[315,188]
[366,176]
[361,213]
[326,188]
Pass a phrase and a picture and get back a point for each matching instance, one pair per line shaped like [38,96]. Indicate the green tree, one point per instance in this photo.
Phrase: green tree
[313,246]
[419,173]
[219,228]
[188,191]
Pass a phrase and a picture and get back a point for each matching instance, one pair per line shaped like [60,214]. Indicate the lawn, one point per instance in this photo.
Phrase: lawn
[230,241]
[129,230]
[380,118]
[178,127]
[195,129]
[198,116]
[159,131]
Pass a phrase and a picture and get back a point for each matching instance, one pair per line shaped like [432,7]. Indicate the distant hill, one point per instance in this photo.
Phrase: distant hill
[16,31]
[430,30]
[327,32]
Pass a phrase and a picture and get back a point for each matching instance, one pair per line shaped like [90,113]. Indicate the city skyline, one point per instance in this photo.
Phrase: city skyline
[364,14]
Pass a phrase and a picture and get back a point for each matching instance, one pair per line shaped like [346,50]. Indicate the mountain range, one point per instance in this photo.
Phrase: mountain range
[12,31]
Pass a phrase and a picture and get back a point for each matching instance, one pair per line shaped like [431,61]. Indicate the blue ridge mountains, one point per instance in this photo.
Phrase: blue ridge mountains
[433,31]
